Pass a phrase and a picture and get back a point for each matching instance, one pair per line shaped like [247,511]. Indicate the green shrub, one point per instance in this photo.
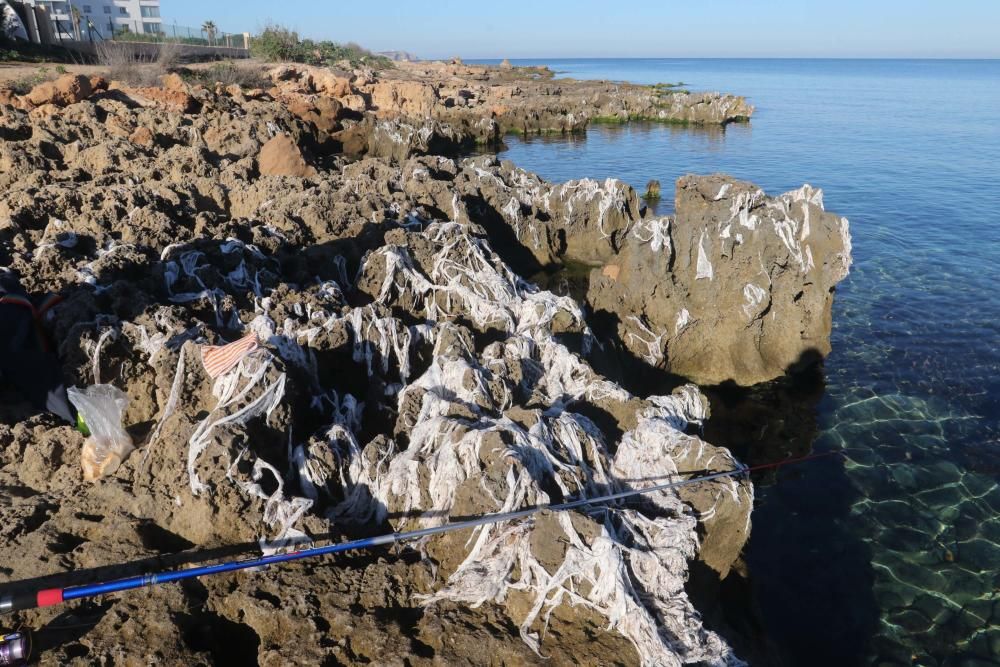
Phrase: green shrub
[277,43]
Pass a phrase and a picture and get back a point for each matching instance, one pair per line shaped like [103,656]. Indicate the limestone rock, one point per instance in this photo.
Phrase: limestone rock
[177,101]
[323,112]
[331,84]
[142,136]
[45,111]
[737,286]
[403,138]
[174,82]
[281,156]
[520,99]
[67,89]
[403,98]
[700,108]
[356,103]
[406,367]
[8,97]
[583,221]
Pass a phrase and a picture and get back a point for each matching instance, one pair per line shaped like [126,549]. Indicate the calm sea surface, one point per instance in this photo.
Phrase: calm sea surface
[892,556]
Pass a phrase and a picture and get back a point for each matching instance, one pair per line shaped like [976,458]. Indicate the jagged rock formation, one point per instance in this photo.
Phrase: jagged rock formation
[737,286]
[281,156]
[407,374]
[518,99]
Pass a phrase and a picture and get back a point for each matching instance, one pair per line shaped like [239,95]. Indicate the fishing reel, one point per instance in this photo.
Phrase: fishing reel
[15,649]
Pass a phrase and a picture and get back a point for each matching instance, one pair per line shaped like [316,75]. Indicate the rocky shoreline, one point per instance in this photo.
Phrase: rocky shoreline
[408,372]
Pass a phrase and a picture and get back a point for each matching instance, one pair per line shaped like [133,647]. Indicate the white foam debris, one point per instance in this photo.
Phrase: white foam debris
[806,193]
[278,511]
[386,335]
[754,297]
[646,455]
[844,255]
[647,338]
[512,214]
[231,389]
[627,565]
[746,200]
[787,229]
[168,410]
[599,571]
[683,319]
[743,204]
[655,232]
[468,279]
[704,266]
[610,195]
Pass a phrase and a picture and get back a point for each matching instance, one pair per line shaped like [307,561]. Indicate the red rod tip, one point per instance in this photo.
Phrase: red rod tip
[52,596]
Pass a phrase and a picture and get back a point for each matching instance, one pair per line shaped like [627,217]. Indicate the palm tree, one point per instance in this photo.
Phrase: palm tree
[208,27]
[74,17]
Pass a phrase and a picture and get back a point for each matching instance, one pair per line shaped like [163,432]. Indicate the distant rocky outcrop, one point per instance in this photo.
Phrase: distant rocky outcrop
[399,56]
[520,99]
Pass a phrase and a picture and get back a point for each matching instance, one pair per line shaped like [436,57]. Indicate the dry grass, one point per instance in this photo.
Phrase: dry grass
[23,85]
[228,73]
[128,64]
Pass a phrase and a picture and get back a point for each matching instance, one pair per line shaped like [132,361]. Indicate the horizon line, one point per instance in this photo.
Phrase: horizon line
[978,58]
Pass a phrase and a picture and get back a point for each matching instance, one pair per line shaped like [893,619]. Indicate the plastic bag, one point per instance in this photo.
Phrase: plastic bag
[102,408]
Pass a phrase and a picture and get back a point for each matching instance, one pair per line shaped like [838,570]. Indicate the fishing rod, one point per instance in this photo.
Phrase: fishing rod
[19,643]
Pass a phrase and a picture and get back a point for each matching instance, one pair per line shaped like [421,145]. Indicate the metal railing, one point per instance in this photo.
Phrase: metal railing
[158,33]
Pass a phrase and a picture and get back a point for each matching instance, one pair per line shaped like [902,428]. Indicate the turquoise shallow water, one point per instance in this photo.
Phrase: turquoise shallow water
[893,556]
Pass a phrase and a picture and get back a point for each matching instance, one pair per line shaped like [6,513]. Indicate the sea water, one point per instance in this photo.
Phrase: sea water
[890,556]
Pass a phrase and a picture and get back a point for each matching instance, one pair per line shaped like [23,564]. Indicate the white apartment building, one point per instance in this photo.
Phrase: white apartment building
[104,16]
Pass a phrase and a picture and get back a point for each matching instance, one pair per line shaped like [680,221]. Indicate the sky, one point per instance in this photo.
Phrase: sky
[625,28]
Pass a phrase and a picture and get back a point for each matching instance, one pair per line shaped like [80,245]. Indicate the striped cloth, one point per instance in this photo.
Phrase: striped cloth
[219,360]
